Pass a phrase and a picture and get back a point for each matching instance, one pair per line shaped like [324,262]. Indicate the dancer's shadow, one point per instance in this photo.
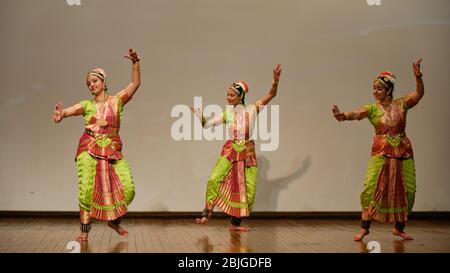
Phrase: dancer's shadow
[361,247]
[236,245]
[398,246]
[268,190]
[84,247]
[119,248]
[205,244]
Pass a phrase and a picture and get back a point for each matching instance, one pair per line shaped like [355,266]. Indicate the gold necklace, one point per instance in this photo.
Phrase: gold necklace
[101,107]
[105,97]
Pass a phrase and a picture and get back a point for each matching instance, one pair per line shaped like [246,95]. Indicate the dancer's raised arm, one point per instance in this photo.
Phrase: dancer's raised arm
[414,97]
[273,90]
[135,76]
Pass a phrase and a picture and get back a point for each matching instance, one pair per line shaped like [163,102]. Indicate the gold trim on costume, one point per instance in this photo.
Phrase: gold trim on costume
[101,136]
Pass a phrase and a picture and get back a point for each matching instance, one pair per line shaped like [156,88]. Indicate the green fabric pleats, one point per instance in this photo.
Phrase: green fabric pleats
[370,182]
[409,173]
[86,177]
[219,172]
[250,182]
[217,176]
[86,168]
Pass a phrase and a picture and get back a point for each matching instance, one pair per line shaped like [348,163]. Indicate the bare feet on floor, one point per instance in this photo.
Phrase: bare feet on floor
[83,237]
[121,231]
[239,228]
[202,221]
[362,233]
[402,234]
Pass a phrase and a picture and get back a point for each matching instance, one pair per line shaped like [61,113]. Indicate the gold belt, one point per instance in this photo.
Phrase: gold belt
[397,135]
[393,139]
[101,136]
[401,135]
[241,141]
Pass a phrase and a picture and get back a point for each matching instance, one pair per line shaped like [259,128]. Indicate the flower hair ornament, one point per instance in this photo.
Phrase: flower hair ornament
[241,89]
[387,79]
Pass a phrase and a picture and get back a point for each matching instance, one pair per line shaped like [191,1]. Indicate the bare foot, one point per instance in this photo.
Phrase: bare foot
[402,234]
[202,221]
[121,231]
[362,233]
[239,228]
[83,237]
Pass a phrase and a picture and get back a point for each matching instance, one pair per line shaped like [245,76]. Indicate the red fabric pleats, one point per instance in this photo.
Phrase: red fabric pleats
[108,199]
[233,189]
[390,201]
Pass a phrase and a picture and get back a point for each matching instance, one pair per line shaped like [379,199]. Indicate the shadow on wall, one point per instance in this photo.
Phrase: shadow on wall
[267,191]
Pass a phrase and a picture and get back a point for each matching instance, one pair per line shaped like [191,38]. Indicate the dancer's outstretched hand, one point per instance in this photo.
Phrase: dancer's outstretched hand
[197,112]
[337,113]
[57,113]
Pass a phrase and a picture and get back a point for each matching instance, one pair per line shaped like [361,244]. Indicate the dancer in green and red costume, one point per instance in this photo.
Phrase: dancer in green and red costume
[106,185]
[390,183]
[232,184]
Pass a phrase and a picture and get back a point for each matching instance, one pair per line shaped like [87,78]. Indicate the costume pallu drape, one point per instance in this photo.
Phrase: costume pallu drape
[390,183]
[232,183]
[106,185]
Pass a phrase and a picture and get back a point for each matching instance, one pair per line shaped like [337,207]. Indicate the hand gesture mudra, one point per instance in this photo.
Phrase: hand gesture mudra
[277,72]
[132,55]
[57,113]
[197,112]
[416,68]
[338,114]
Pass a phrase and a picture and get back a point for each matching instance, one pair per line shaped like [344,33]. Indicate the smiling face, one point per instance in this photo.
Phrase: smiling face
[233,98]
[95,85]
[379,91]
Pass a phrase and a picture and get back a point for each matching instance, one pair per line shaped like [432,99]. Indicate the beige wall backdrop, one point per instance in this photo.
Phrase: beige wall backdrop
[330,51]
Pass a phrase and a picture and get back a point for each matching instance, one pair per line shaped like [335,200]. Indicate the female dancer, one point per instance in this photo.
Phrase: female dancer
[232,184]
[106,185]
[390,183]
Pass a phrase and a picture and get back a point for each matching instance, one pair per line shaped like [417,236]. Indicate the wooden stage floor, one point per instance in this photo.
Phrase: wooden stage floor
[150,235]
